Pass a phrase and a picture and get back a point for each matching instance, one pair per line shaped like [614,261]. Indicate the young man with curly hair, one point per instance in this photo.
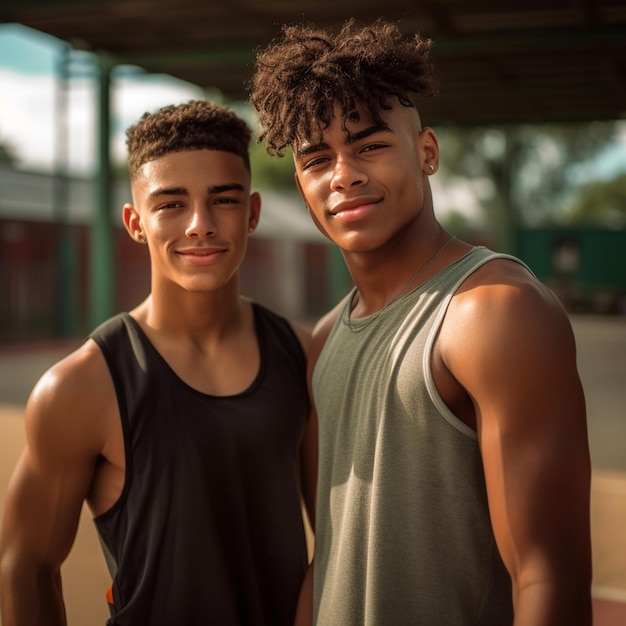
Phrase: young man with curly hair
[181,422]
[454,470]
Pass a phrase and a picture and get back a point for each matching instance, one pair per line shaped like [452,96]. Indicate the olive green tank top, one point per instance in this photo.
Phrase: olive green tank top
[403,534]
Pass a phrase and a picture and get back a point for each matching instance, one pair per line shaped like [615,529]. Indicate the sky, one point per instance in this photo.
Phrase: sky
[29,85]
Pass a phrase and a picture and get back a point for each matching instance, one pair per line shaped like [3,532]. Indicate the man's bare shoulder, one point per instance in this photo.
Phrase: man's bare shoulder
[73,398]
[75,376]
[505,286]
[502,310]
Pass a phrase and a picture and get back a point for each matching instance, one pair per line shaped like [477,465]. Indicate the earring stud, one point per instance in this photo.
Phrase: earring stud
[431,168]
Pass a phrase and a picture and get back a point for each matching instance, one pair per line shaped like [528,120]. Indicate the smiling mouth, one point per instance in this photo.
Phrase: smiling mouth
[201,251]
[354,213]
[202,255]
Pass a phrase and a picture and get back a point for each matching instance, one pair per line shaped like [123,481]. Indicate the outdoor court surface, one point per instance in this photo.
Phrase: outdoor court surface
[602,363]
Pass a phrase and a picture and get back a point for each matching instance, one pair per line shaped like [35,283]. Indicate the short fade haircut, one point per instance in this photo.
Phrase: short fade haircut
[300,77]
[195,125]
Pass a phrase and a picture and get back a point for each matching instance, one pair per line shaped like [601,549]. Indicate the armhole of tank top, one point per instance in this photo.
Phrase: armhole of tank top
[119,396]
[433,393]
[436,399]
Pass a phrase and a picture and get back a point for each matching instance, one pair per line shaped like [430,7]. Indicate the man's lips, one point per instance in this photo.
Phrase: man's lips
[201,255]
[354,210]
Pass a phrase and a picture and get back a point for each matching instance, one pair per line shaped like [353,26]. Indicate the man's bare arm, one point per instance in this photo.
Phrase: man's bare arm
[510,345]
[48,487]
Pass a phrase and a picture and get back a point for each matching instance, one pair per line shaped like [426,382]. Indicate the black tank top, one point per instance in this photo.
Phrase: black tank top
[208,528]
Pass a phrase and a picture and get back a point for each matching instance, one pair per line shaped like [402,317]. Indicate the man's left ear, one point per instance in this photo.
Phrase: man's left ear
[429,146]
[255,211]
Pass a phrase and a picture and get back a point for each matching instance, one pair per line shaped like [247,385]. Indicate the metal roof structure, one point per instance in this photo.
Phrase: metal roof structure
[498,62]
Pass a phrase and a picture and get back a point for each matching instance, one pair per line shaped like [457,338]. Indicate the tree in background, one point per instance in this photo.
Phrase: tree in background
[269,172]
[600,203]
[531,171]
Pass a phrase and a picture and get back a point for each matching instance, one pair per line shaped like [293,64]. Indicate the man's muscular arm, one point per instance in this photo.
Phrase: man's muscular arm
[510,345]
[48,487]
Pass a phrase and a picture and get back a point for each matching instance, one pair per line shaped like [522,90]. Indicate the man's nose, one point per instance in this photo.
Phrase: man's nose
[201,223]
[347,174]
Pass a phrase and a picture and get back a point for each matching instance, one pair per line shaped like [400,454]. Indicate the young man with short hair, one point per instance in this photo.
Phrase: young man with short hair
[182,423]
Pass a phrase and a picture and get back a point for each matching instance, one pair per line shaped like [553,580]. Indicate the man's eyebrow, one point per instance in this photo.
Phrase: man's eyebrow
[168,191]
[309,148]
[366,132]
[226,187]
[306,149]
[183,191]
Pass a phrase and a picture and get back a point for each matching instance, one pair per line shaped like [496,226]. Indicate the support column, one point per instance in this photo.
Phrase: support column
[66,323]
[509,219]
[102,253]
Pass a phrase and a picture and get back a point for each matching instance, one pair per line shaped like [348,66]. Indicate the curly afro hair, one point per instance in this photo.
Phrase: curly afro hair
[195,125]
[300,77]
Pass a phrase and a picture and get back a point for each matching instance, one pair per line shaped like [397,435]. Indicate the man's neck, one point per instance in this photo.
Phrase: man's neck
[191,316]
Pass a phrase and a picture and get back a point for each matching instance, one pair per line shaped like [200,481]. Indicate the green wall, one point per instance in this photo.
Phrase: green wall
[586,266]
